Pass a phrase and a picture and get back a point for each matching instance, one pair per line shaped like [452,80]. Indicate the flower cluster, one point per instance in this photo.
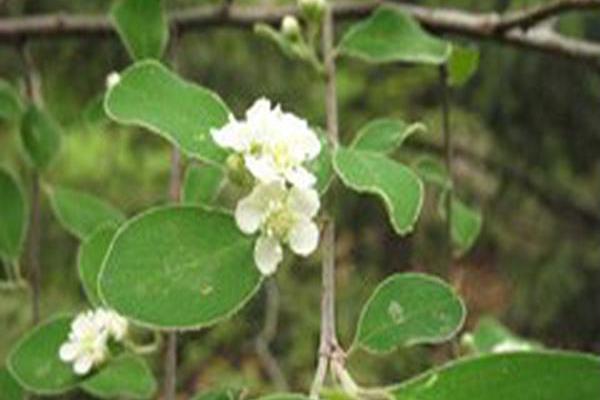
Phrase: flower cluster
[274,147]
[87,345]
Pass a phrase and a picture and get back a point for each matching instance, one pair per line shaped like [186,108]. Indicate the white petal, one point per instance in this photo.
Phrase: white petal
[304,202]
[231,136]
[267,254]
[248,216]
[68,351]
[262,168]
[83,365]
[300,177]
[304,237]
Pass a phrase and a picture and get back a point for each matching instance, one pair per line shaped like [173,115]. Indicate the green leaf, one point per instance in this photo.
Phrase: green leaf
[179,268]
[384,135]
[408,309]
[284,396]
[151,96]
[466,223]
[218,394]
[462,65]
[92,251]
[40,136]
[35,364]
[202,183]
[127,376]
[491,336]
[11,106]
[13,217]
[81,213]
[390,35]
[142,26]
[433,171]
[514,376]
[9,387]
[321,167]
[399,188]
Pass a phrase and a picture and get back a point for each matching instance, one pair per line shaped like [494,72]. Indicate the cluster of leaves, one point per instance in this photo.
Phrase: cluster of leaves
[188,267]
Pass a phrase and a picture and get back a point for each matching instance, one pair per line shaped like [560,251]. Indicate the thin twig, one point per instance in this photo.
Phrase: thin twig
[529,17]
[329,347]
[476,26]
[447,138]
[266,336]
[33,91]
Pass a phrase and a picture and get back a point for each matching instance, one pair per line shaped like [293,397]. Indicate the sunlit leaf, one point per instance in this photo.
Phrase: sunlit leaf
[92,251]
[399,188]
[13,217]
[179,268]
[390,35]
[151,96]
[384,135]
[40,136]
[142,26]
[127,376]
[514,376]
[408,309]
[201,184]
[462,65]
[81,213]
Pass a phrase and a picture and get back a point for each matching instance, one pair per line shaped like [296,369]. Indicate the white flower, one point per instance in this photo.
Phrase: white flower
[290,27]
[509,345]
[273,144]
[115,325]
[112,79]
[87,344]
[283,216]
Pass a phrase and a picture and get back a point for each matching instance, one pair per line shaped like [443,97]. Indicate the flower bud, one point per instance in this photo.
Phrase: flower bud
[112,79]
[312,9]
[290,27]
[237,172]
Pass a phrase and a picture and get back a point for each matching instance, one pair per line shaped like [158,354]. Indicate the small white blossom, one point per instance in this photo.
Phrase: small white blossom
[509,345]
[273,144]
[112,79]
[282,216]
[87,344]
[290,27]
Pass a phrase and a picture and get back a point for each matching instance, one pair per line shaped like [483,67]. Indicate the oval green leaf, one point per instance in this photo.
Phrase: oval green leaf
[40,136]
[490,336]
[514,376]
[384,135]
[11,106]
[13,217]
[408,309]
[81,213]
[466,223]
[151,96]
[35,364]
[9,387]
[390,35]
[201,184]
[179,268]
[92,252]
[462,65]
[321,166]
[128,376]
[371,172]
[142,26]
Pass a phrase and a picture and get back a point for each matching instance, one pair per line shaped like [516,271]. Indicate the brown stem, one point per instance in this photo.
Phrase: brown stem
[267,335]
[329,347]
[447,135]
[33,249]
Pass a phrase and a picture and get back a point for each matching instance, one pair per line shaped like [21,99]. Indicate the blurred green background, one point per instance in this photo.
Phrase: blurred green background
[527,129]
